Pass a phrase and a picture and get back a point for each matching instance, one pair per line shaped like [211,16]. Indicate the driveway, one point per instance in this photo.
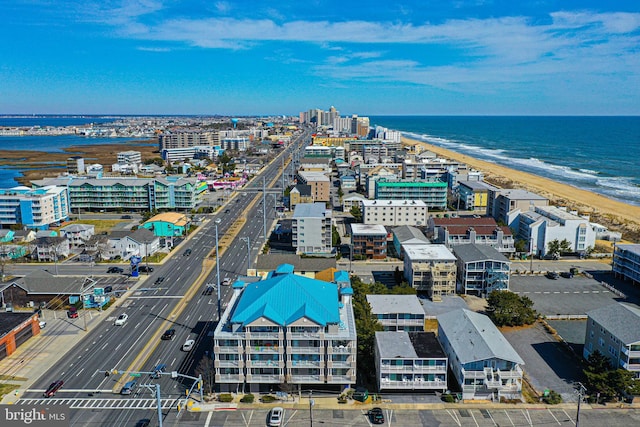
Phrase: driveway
[547,364]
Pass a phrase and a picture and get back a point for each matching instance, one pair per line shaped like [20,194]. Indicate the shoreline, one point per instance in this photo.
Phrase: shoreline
[601,209]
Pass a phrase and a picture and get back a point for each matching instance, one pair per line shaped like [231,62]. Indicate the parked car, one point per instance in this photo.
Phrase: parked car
[42,324]
[146,422]
[169,334]
[72,313]
[275,416]
[108,289]
[145,269]
[128,387]
[188,345]
[552,275]
[566,275]
[376,416]
[121,320]
[55,386]
[117,270]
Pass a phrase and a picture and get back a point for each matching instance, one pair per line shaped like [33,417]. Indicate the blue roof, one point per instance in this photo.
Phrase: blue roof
[285,298]
[284,269]
[341,276]
[238,284]
[346,291]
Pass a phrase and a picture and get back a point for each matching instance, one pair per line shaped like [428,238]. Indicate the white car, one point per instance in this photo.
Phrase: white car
[218,221]
[275,416]
[226,282]
[121,320]
[42,324]
[188,345]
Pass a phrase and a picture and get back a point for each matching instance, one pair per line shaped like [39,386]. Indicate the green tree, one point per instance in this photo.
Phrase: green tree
[340,193]
[336,241]
[604,383]
[521,246]
[226,163]
[553,248]
[356,212]
[508,309]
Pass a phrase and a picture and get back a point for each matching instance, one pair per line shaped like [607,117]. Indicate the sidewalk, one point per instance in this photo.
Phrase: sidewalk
[36,356]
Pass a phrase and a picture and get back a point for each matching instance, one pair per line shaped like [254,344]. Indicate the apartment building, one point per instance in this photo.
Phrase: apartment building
[129,157]
[474,195]
[394,213]
[316,164]
[141,194]
[300,193]
[75,165]
[481,269]
[398,312]
[434,194]
[545,224]
[483,363]
[77,234]
[410,361]
[472,230]
[626,262]
[37,208]
[614,331]
[286,329]
[183,138]
[319,182]
[430,269]
[407,236]
[503,204]
[311,229]
[368,241]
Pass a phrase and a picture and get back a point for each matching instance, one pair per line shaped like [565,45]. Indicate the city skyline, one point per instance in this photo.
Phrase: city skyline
[373,58]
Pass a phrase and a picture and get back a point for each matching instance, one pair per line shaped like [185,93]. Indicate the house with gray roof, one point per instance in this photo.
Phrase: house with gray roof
[78,234]
[484,364]
[52,248]
[43,286]
[125,244]
[481,269]
[398,312]
[407,235]
[286,329]
[614,331]
[410,361]
[304,266]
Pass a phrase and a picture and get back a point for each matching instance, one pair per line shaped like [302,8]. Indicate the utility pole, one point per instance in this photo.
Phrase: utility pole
[311,402]
[264,208]
[531,254]
[246,239]
[581,391]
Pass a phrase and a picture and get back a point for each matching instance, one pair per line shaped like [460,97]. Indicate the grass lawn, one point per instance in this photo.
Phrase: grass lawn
[101,225]
[7,388]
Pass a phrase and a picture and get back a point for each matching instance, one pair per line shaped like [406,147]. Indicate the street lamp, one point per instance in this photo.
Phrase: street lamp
[218,272]
[531,254]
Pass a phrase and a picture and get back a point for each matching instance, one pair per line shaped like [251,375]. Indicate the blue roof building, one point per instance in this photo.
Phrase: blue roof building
[286,328]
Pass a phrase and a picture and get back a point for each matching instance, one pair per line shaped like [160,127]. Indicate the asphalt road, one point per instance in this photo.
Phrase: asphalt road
[150,310]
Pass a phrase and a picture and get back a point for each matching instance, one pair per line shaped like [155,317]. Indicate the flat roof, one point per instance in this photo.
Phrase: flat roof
[368,229]
[395,203]
[311,210]
[476,185]
[408,345]
[395,304]
[519,194]
[428,252]
[10,321]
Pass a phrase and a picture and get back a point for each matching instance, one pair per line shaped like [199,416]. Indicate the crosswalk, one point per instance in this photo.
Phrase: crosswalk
[77,403]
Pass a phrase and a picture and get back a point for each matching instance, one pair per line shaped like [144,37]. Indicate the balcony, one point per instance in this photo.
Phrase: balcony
[341,379]
[306,379]
[264,335]
[229,378]
[340,364]
[265,378]
[339,350]
[306,350]
[264,363]
[218,363]
[304,335]
[413,384]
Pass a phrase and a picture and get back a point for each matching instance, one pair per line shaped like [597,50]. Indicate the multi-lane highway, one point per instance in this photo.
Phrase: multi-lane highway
[178,302]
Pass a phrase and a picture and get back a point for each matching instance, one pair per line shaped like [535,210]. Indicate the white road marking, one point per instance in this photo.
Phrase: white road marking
[554,417]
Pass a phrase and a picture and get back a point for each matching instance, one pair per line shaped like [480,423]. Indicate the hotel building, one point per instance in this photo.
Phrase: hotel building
[34,208]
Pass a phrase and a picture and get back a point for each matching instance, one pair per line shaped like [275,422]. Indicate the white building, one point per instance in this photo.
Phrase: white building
[410,361]
[484,364]
[77,234]
[545,224]
[140,242]
[626,262]
[394,212]
[431,269]
[129,157]
[311,228]
[286,329]
[398,312]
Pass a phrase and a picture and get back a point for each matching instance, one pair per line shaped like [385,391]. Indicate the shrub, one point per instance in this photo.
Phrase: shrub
[448,398]
[268,399]
[247,398]
[552,398]
[225,397]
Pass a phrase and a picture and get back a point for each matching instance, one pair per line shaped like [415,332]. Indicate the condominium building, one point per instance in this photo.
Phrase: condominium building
[181,138]
[471,230]
[142,194]
[474,195]
[481,269]
[545,224]
[483,362]
[319,182]
[626,262]
[614,331]
[129,157]
[75,165]
[34,208]
[431,269]
[394,213]
[397,312]
[311,229]
[503,204]
[406,236]
[434,194]
[300,193]
[410,361]
[286,329]
[368,241]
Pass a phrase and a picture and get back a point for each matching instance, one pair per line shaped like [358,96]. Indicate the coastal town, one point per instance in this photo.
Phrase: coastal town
[336,258]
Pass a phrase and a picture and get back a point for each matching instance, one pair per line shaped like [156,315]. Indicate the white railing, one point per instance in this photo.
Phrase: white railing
[413,384]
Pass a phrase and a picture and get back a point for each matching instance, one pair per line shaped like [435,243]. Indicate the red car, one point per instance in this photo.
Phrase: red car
[72,313]
[55,386]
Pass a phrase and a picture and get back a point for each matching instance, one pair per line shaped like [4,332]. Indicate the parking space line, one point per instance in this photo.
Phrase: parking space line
[491,416]
[453,415]
[510,420]
[474,419]
[568,416]
[554,417]
[527,416]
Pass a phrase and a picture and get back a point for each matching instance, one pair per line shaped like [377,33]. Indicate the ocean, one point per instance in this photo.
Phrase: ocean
[600,154]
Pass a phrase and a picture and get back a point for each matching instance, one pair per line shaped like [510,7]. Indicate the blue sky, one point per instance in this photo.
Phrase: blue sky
[281,57]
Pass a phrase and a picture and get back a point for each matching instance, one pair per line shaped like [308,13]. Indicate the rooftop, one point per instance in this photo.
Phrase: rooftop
[406,232]
[429,252]
[394,203]
[476,185]
[368,229]
[473,253]
[408,345]
[313,176]
[519,194]
[621,320]
[311,210]
[381,304]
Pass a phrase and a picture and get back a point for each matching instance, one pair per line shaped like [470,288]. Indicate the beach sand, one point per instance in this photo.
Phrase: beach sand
[616,215]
